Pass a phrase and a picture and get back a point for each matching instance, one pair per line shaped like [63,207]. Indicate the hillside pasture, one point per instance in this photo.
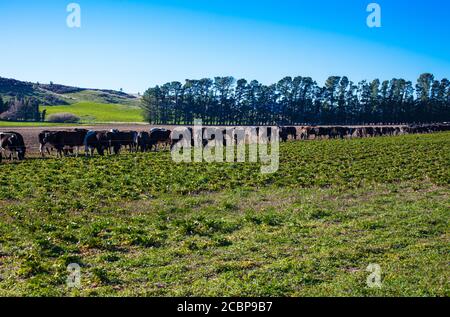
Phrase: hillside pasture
[91,112]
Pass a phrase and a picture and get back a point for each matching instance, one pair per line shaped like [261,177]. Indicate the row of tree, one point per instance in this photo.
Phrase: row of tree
[299,100]
[21,109]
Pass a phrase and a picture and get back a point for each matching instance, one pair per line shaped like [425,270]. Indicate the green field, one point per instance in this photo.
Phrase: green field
[139,224]
[91,112]
[30,124]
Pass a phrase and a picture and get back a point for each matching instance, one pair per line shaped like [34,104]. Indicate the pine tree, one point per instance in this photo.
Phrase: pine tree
[295,100]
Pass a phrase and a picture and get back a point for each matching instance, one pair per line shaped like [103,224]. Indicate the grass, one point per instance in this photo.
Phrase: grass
[143,225]
[91,112]
[100,97]
[30,124]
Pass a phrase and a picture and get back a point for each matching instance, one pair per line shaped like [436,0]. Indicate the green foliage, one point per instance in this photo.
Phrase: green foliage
[298,100]
[141,225]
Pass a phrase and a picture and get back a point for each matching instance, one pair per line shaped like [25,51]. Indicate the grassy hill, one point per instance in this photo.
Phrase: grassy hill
[101,97]
[54,94]
[92,112]
[91,105]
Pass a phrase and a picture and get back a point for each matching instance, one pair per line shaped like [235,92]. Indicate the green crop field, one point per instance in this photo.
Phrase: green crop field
[140,224]
[91,112]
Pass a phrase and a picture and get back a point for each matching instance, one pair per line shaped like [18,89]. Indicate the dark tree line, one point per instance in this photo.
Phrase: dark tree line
[299,100]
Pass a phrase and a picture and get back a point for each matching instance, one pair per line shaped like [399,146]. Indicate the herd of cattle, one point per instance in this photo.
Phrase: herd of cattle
[111,142]
[67,142]
[333,132]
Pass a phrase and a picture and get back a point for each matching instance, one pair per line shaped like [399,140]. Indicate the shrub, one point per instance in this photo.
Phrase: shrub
[63,118]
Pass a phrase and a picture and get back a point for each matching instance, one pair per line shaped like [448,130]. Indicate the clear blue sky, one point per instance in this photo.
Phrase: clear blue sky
[136,44]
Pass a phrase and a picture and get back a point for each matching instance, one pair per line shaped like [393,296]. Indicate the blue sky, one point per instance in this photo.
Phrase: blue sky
[136,44]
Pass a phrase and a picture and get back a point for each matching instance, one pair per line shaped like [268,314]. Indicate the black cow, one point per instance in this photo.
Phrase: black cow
[117,139]
[204,140]
[319,132]
[64,141]
[285,132]
[159,136]
[42,145]
[14,143]
[143,141]
[359,133]
[180,138]
[96,140]
[338,132]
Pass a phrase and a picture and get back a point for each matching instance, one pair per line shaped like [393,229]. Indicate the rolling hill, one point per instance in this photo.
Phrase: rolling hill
[91,105]
[54,94]
[92,112]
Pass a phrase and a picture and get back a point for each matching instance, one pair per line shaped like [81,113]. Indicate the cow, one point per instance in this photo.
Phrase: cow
[361,132]
[44,147]
[14,143]
[304,133]
[337,132]
[42,144]
[64,141]
[160,136]
[319,132]
[385,131]
[350,132]
[174,141]
[285,132]
[143,141]
[96,140]
[118,139]
[397,131]
[378,131]
[307,132]
[267,132]
[204,141]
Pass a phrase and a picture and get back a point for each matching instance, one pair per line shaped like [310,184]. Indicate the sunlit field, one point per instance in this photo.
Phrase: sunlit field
[91,112]
[142,225]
